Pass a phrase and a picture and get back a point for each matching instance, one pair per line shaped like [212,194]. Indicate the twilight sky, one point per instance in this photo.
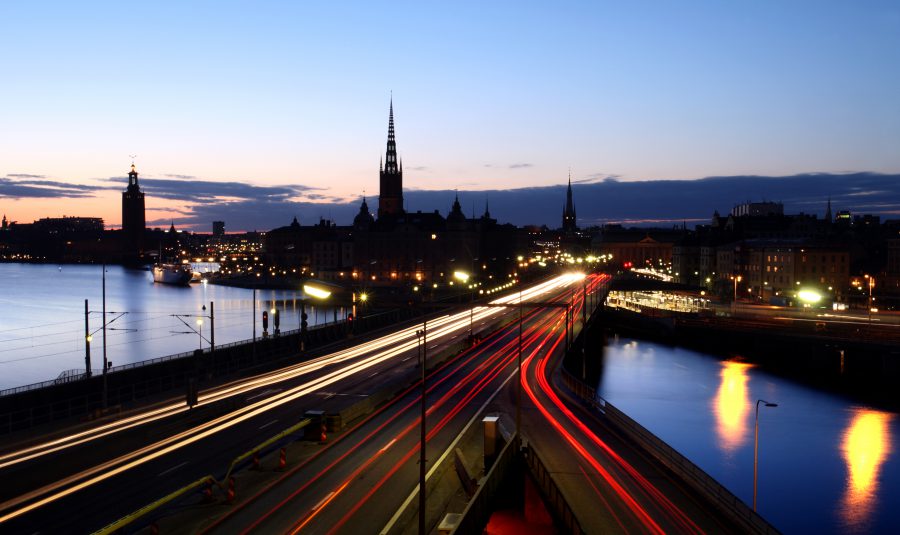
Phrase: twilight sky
[286,102]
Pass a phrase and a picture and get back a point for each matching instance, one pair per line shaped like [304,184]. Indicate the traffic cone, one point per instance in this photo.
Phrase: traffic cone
[229,497]
[322,437]
[282,459]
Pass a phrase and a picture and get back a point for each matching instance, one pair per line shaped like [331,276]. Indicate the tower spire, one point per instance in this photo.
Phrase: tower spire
[569,218]
[390,198]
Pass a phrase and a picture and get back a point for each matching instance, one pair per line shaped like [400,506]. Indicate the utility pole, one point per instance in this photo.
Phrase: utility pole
[584,304]
[422,459]
[105,365]
[519,378]
[212,338]
[87,343]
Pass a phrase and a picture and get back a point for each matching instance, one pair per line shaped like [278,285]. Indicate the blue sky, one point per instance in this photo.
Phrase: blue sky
[488,96]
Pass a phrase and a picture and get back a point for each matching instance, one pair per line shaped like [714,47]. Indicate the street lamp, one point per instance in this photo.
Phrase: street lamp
[871,287]
[756,445]
[314,291]
[463,277]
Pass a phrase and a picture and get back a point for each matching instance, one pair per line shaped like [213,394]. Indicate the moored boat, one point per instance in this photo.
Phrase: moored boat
[177,274]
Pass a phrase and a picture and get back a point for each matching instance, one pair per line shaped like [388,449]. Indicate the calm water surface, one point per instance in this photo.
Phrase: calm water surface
[42,317]
[826,465]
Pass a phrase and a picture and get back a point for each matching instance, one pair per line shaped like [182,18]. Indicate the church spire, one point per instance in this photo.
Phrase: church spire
[390,164]
[390,195]
[569,219]
[828,218]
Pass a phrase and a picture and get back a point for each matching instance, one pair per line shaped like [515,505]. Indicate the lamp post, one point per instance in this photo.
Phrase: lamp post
[463,278]
[519,378]
[87,342]
[320,293]
[422,338]
[736,279]
[756,445]
[105,365]
[871,280]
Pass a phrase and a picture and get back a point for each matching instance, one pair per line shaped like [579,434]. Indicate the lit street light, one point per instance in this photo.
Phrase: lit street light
[463,277]
[871,280]
[756,445]
[318,292]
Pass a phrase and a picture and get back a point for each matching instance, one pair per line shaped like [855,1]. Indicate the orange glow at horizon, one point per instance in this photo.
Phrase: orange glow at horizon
[105,204]
[866,445]
[732,405]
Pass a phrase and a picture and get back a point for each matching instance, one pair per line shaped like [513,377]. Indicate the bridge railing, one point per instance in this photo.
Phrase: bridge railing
[551,492]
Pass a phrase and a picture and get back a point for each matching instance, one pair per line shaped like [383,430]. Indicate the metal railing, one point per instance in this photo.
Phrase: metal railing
[157,360]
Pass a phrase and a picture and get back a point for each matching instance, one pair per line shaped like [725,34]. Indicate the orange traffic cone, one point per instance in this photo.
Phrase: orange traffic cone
[282,459]
[322,437]
[229,497]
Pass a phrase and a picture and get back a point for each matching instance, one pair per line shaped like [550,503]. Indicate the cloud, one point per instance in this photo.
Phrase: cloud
[24,175]
[597,177]
[520,165]
[15,188]
[212,192]
[182,177]
[663,202]
[418,168]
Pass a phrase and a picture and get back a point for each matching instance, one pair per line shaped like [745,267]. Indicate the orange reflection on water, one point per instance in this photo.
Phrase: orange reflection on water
[866,445]
[732,405]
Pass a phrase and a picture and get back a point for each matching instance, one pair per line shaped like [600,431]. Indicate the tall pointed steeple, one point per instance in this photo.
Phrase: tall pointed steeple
[569,218]
[390,197]
[828,217]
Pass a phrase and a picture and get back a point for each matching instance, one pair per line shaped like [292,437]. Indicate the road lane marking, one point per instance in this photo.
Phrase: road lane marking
[268,424]
[412,495]
[164,472]
[264,393]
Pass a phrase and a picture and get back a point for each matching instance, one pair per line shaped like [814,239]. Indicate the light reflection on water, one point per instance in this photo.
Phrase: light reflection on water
[866,445]
[732,405]
[828,465]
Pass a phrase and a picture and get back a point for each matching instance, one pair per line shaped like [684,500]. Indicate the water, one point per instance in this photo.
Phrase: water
[42,317]
[826,465]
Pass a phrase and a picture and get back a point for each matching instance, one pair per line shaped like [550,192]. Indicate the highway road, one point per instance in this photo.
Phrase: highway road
[610,483]
[362,482]
[81,479]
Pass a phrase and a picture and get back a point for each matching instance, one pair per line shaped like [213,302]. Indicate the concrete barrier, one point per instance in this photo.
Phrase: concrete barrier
[478,511]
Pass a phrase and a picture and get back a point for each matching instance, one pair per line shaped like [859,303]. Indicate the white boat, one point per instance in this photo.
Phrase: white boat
[178,274]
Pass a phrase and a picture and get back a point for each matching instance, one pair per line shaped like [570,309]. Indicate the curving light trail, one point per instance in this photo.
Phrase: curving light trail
[385,348]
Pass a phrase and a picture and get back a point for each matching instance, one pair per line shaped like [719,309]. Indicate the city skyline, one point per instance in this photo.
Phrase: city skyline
[507,98]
